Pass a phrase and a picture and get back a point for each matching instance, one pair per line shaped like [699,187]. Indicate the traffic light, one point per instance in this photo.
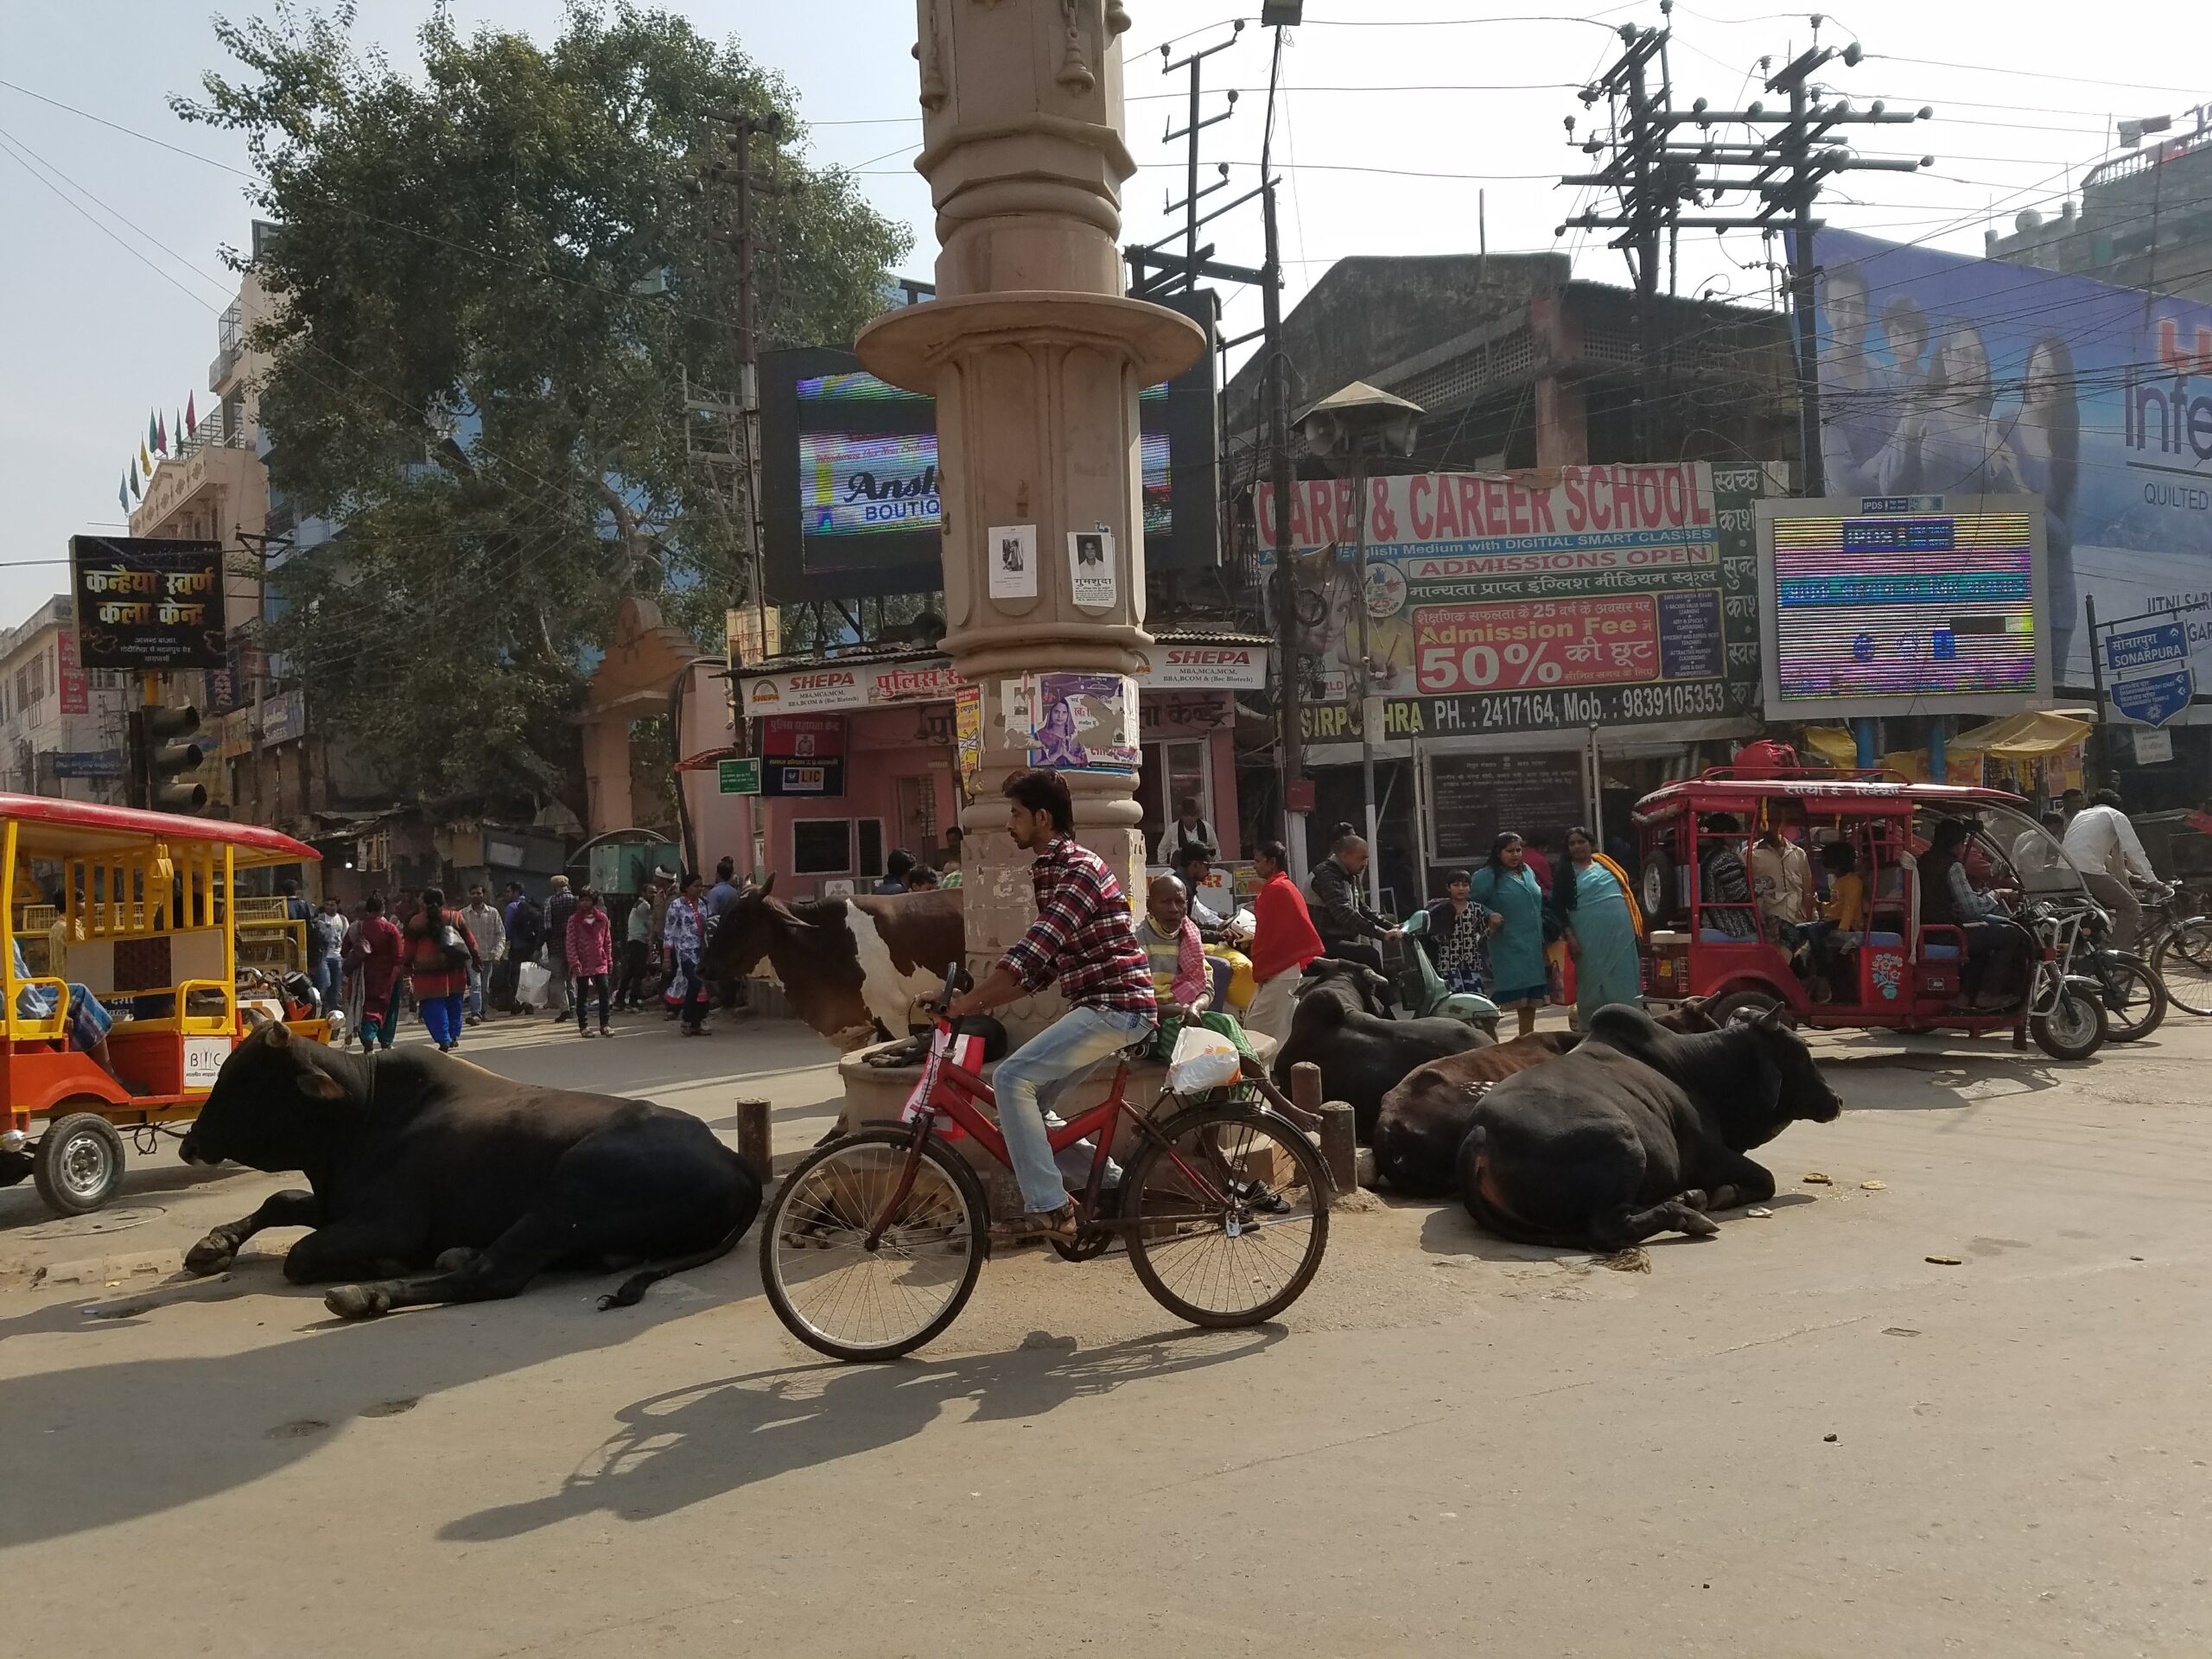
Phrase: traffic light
[160,754]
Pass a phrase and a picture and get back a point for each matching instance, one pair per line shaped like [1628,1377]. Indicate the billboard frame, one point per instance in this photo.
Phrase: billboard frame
[1769,508]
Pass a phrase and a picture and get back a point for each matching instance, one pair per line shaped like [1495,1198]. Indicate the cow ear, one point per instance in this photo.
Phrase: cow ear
[788,916]
[317,1084]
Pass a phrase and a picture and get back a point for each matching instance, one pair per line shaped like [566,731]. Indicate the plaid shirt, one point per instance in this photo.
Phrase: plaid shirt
[1084,936]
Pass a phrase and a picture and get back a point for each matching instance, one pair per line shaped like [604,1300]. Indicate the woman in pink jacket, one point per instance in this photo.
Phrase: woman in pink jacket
[591,955]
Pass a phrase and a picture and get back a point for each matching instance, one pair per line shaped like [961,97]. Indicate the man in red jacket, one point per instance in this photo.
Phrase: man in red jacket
[1283,941]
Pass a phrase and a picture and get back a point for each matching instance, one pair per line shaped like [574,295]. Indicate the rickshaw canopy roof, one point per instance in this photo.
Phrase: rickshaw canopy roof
[55,828]
[1844,796]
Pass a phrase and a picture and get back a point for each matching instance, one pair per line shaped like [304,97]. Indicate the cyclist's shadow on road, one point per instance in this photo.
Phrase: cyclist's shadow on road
[677,1449]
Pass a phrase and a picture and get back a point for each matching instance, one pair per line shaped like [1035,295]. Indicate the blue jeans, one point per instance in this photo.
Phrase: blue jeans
[441,1015]
[480,980]
[329,973]
[1062,1053]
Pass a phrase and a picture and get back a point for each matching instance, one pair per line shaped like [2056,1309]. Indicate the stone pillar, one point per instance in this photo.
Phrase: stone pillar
[1035,357]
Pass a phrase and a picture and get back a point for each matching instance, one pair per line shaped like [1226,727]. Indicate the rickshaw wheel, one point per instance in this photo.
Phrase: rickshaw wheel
[79,1167]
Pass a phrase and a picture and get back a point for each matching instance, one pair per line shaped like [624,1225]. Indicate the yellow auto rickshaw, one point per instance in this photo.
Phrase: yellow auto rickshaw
[120,993]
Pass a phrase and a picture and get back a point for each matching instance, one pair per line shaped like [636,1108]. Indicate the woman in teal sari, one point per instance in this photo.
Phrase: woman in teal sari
[1592,908]
[1507,888]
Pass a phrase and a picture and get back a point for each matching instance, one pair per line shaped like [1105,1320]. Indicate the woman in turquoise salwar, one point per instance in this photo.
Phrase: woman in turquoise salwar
[1594,910]
[1507,888]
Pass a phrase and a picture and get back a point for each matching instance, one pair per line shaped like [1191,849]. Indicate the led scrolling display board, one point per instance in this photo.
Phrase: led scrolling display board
[1916,604]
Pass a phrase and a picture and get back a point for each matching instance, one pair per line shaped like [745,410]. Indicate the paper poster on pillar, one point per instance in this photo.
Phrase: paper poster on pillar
[1091,582]
[1014,560]
[1085,722]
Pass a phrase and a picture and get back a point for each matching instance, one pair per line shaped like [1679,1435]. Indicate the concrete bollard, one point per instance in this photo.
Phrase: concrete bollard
[1305,1086]
[1339,1150]
[753,1143]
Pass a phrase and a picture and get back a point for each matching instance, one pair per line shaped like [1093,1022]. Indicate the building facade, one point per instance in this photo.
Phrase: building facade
[2144,221]
[61,727]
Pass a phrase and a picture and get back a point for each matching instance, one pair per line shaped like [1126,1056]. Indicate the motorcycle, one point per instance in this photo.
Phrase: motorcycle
[2134,996]
[2065,1008]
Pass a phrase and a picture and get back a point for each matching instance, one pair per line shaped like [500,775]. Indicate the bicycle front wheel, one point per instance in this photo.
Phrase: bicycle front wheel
[844,1297]
[2182,962]
[1231,1215]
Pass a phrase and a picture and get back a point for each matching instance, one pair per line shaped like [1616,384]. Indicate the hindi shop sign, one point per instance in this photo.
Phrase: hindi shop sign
[148,605]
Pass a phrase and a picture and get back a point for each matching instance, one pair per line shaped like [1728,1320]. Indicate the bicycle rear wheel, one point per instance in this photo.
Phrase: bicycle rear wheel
[2182,962]
[1232,1215]
[2135,1000]
[840,1297]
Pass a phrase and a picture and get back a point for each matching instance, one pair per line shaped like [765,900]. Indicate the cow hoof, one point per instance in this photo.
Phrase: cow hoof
[1696,1223]
[210,1255]
[358,1301]
[454,1260]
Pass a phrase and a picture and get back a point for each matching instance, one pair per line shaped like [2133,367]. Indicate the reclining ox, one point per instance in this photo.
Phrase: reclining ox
[851,967]
[1425,1118]
[417,1162]
[1637,1131]
[1337,1026]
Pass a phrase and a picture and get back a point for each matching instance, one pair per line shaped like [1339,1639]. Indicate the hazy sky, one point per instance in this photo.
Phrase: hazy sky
[1393,129]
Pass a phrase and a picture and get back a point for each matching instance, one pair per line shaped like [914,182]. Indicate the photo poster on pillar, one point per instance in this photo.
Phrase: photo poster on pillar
[1091,582]
[1083,722]
[1530,600]
[968,734]
[1014,560]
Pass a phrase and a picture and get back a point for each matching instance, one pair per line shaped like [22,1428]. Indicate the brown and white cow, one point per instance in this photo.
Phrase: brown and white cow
[851,967]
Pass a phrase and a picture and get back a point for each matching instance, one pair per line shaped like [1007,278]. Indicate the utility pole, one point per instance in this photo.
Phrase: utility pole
[1653,173]
[731,435]
[1151,272]
[1297,793]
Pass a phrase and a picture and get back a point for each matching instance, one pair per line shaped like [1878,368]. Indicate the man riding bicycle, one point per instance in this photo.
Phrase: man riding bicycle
[1084,937]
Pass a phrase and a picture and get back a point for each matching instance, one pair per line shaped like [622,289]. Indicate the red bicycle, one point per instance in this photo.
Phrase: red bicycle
[873,1245]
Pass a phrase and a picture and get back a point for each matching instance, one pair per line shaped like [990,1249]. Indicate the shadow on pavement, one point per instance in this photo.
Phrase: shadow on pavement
[88,1445]
[2029,1073]
[690,1445]
[1450,1232]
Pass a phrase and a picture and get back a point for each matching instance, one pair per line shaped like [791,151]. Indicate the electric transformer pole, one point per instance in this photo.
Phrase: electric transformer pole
[1655,168]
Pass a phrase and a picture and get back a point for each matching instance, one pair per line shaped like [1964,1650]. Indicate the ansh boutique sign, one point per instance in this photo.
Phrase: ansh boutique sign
[148,605]
[1531,600]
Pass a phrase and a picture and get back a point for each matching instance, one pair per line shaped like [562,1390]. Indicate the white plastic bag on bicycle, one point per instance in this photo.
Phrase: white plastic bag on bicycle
[1203,1061]
[965,1051]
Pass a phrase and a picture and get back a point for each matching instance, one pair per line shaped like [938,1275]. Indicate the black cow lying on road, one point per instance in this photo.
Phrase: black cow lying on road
[1362,1057]
[1638,1131]
[418,1161]
[1425,1117]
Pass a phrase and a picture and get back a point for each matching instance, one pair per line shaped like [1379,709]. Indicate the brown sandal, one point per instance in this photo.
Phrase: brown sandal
[1060,1223]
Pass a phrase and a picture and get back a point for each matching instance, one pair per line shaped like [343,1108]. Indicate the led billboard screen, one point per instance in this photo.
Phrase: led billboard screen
[850,477]
[1902,606]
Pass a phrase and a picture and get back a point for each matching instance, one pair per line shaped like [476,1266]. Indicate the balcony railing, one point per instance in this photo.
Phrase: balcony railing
[212,435]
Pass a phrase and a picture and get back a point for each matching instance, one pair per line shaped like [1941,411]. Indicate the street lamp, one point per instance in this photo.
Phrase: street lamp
[1350,430]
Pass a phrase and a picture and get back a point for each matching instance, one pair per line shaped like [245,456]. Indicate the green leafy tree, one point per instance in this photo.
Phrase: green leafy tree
[491,283]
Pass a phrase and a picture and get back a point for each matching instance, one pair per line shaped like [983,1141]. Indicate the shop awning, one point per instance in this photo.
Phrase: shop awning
[1834,744]
[2029,736]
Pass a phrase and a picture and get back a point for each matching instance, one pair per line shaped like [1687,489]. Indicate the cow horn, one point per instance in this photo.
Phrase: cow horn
[1769,1018]
[275,1032]
[768,885]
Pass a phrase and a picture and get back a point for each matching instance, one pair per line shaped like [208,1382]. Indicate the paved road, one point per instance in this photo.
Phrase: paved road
[1798,1439]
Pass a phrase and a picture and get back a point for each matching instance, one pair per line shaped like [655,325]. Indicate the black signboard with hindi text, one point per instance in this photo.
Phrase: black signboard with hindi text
[1472,798]
[148,605]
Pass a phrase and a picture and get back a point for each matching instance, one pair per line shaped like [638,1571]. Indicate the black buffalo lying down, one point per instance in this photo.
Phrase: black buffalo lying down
[425,1163]
[1637,1131]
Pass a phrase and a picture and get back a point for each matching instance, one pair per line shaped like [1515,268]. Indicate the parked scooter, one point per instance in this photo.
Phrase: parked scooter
[1421,989]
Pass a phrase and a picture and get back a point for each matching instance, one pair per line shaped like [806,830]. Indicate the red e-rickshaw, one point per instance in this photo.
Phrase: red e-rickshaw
[148,924]
[1711,938]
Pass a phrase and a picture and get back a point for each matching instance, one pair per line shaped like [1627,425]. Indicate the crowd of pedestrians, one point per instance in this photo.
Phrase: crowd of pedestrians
[457,966]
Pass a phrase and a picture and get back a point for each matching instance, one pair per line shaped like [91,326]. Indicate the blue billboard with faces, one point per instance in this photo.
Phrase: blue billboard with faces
[1947,376]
